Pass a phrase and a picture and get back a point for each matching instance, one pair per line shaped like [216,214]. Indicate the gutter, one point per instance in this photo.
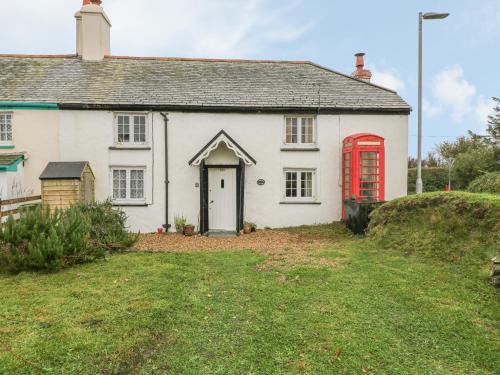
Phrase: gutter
[28,105]
[236,109]
[165,119]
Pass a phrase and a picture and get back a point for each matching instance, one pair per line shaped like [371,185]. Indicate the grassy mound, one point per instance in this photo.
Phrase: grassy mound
[453,226]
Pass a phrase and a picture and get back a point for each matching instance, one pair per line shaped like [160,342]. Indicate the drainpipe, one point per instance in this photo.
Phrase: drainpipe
[165,119]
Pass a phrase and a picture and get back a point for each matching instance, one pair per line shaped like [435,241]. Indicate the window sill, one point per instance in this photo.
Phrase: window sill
[300,202]
[6,146]
[306,149]
[143,148]
[129,204]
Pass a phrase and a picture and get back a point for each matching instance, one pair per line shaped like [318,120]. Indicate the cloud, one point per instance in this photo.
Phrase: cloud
[484,108]
[454,94]
[222,28]
[388,78]
[431,110]
[452,90]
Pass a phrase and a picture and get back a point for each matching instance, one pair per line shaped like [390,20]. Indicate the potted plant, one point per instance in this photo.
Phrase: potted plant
[249,227]
[180,223]
[189,230]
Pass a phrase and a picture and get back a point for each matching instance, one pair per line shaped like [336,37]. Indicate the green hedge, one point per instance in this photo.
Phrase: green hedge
[435,179]
[487,183]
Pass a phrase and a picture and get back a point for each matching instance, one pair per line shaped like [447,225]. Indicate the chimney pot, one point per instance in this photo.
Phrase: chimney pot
[360,60]
[88,2]
[361,72]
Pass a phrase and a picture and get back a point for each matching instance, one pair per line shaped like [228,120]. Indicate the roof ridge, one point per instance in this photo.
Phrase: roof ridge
[351,77]
[21,55]
[204,59]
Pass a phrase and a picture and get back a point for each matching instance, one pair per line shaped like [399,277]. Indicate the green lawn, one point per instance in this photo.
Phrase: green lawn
[375,311]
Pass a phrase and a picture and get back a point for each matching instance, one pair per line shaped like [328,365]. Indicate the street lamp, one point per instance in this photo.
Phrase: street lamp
[450,165]
[421,17]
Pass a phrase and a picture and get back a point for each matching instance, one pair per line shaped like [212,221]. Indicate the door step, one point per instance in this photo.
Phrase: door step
[222,233]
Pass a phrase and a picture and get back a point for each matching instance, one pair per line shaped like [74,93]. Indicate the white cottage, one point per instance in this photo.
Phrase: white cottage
[278,143]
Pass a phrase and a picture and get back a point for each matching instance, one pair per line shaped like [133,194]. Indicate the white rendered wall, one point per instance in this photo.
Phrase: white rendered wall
[87,135]
[35,133]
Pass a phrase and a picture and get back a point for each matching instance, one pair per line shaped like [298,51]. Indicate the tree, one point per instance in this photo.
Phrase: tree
[451,149]
[412,162]
[433,160]
[494,124]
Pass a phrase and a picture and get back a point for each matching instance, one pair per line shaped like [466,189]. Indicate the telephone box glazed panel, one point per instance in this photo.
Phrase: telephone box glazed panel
[363,168]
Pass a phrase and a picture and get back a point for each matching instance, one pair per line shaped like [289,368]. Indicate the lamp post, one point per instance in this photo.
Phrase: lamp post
[450,165]
[421,17]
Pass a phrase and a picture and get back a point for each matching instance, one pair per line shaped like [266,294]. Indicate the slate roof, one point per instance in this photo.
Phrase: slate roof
[63,170]
[188,83]
[9,159]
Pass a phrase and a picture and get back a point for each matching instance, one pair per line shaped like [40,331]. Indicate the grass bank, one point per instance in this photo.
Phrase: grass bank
[455,226]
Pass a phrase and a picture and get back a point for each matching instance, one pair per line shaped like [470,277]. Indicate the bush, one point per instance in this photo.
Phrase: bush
[46,241]
[472,164]
[487,183]
[107,225]
[454,226]
[434,178]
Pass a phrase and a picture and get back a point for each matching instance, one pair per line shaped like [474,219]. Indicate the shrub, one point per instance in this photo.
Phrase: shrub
[434,179]
[107,225]
[41,240]
[487,183]
[472,164]
[454,226]
[46,241]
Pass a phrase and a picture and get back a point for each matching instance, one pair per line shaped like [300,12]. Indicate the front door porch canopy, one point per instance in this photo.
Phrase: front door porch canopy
[231,144]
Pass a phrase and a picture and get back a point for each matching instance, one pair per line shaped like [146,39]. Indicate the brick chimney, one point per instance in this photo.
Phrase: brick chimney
[92,31]
[361,72]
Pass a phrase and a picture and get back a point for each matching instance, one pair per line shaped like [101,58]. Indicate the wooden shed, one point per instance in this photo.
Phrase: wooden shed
[64,183]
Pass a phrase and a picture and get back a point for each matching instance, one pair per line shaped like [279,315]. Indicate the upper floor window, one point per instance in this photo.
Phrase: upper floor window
[5,127]
[300,131]
[131,129]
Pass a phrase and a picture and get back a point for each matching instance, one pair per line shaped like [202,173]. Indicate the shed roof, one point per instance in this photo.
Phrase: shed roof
[63,170]
[194,84]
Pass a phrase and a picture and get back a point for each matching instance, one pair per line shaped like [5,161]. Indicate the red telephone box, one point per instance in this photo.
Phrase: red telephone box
[363,168]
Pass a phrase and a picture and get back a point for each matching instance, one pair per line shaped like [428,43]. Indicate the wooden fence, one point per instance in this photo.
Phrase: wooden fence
[14,206]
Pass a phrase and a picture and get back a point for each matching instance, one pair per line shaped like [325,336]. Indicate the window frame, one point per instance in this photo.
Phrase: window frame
[299,143]
[10,141]
[128,171]
[299,197]
[131,142]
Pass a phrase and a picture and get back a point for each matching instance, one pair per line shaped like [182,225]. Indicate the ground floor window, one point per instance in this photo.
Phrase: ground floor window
[299,184]
[127,184]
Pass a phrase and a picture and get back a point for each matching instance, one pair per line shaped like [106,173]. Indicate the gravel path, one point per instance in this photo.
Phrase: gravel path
[281,248]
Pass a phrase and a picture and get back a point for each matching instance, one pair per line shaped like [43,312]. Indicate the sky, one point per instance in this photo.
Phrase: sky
[461,53]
